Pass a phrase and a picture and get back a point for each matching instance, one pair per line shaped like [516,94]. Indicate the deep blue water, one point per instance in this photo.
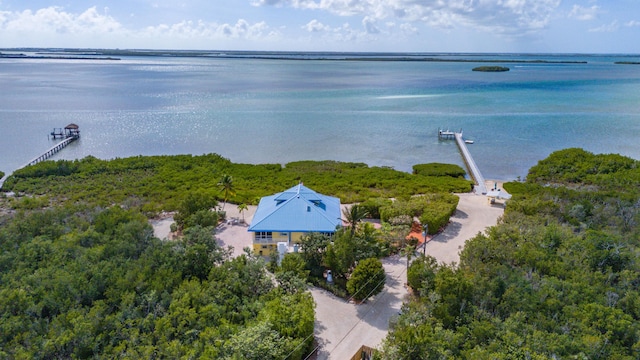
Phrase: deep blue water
[277,111]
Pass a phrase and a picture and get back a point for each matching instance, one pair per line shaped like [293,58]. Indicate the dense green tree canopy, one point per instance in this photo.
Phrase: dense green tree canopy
[158,183]
[421,274]
[559,277]
[81,282]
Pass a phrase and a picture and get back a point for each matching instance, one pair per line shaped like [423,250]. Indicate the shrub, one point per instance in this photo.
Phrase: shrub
[373,205]
[367,279]
[439,169]
[202,218]
[432,209]
[30,203]
[294,263]
[421,274]
[48,168]
[193,203]
[437,216]
[401,220]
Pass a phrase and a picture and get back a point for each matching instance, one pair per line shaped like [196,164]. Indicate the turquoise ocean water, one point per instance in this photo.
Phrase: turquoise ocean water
[383,113]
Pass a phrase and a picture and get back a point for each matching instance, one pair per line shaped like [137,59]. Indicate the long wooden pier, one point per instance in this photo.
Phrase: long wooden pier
[474,171]
[70,134]
[47,154]
[52,151]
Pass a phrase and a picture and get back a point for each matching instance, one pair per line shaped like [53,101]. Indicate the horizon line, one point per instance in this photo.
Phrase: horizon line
[415,53]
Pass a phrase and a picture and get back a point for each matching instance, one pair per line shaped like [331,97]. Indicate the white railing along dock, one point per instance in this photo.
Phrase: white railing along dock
[474,171]
[476,175]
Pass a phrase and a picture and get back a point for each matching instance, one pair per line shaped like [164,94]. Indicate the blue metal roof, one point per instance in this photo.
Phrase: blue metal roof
[298,209]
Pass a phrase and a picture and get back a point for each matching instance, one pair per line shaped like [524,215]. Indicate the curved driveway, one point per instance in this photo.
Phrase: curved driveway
[342,327]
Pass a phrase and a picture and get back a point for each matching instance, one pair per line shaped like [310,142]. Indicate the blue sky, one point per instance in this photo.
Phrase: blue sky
[554,26]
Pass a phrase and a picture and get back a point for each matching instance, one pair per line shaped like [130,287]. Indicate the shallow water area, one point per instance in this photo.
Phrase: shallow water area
[383,113]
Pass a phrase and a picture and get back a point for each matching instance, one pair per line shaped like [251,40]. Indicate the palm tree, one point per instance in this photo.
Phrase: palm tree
[354,215]
[241,209]
[226,184]
[409,251]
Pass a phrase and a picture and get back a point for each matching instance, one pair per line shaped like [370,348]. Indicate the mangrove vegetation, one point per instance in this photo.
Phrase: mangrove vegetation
[558,278]
[491,68]
[79,282]
[156,183]
[82,276]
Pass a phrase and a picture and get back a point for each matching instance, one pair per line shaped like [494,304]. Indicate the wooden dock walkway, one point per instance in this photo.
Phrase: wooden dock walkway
[474,171]
[52,151]
[70,134]
[44,156]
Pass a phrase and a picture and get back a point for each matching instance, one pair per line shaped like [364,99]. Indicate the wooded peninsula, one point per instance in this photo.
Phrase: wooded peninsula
[82,276]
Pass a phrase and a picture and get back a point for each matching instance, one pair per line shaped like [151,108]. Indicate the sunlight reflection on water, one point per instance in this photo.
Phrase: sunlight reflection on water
[277,111]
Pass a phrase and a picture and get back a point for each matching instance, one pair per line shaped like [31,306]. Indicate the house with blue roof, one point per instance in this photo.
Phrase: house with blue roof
[287,216]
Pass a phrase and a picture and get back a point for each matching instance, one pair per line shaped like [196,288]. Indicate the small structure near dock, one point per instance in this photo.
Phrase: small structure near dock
[446,134]
[70,131]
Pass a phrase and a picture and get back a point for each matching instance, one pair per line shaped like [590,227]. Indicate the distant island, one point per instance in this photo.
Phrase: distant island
[61,56]
[491,68]
[627,62]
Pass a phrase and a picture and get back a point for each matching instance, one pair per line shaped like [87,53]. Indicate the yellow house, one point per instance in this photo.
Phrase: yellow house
[285,217]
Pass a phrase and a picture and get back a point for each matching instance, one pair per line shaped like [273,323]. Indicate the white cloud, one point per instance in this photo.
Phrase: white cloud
[370,26]
[315,26]
[606,27]
[53,26]
[409,29]
[55,20]
[343,34]
[463,25]
[583,13]
[501,16]
[204,30]
[347,34]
